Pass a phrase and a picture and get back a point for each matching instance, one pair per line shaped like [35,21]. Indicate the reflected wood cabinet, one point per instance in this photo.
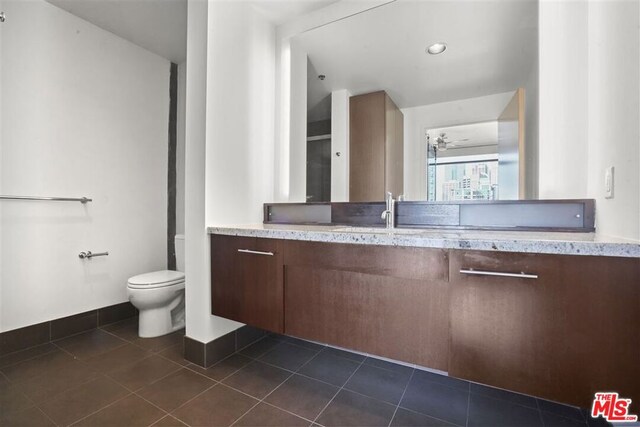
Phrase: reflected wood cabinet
[376,147]
[563,335]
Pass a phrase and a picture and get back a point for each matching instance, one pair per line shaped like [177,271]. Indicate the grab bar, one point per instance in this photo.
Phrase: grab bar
[53,199]
[89,254]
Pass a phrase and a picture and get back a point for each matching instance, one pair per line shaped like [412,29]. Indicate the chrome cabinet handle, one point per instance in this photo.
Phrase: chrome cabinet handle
[89,254]
[521,275]
[249,251]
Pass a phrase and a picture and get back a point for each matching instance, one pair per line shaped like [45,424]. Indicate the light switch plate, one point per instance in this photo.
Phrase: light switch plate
[608,183]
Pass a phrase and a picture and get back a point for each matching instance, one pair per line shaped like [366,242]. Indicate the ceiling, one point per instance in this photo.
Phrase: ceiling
[467,136]
[492,48]
[281,11]
[159,26]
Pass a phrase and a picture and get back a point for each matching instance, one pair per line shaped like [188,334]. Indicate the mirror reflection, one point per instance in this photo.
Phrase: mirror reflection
[441,98]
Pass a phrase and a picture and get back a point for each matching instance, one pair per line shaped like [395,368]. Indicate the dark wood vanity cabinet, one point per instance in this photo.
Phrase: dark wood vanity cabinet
[247,281]
[569,332]
[392,302]
[572,331]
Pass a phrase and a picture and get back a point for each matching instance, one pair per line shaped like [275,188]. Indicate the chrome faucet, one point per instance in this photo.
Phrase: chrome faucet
[389,214]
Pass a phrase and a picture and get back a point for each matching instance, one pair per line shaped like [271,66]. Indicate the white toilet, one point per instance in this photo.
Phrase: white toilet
[159,297]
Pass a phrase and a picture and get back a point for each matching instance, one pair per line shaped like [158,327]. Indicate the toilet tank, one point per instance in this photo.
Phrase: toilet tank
[179,239]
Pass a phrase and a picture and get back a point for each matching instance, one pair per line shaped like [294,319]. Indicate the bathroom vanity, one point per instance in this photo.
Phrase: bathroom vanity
[554,315]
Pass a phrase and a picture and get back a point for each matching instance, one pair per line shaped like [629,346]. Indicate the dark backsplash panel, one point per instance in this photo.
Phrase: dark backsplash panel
[554,215]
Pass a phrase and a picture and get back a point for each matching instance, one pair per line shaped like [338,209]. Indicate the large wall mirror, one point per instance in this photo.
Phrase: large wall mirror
[442,102]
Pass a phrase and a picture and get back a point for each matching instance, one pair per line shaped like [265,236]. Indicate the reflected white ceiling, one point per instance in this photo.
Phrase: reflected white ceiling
[159,26]
[492,47]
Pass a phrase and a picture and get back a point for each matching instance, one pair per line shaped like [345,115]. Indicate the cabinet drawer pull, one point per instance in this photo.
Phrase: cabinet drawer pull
[521,275]
[249,251]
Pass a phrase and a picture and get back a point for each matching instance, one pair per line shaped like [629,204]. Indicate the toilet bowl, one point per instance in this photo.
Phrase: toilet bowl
[159,298]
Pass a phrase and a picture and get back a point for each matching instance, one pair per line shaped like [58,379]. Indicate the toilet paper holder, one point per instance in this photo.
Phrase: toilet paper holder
[89,254]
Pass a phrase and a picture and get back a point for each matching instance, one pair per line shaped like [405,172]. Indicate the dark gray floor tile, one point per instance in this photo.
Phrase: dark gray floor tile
[257,379]
[303,396]
[46,387]
[259,348]
[169,421]
[218,406]
[31,417]
[129,411]
[77,403]
[89,344]
[553,420]
[175,354]
[487,411]
[352,409]
[330,368]
[300,342]
[37,366]
[378,383]
[224,368]
[559,409]
[12,400]
[30,353]
[264,415]
[144,372]
[175,389]
[421,375]
[379,363]
[158,344]
[288,356]
[436,400]
[406,418]
[117,358]
[497,393]
[344,353]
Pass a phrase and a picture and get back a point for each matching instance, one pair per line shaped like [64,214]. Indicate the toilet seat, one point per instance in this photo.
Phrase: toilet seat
[156,279]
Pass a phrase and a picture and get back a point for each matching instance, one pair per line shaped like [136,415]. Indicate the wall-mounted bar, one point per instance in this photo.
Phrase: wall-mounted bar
[89,254]
[52,199]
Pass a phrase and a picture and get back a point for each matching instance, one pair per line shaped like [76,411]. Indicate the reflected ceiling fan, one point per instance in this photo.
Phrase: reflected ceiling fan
[441,142]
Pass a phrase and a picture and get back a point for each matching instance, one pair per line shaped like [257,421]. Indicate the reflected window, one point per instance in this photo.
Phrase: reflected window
[463,178]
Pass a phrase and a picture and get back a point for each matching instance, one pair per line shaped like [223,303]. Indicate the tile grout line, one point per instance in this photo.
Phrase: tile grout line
[315,421]
[104,407]
[401,397]
[292,373]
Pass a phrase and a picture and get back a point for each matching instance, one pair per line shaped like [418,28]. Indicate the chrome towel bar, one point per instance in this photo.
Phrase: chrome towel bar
[521,275]
[89,254]
[53,199]
[249,251]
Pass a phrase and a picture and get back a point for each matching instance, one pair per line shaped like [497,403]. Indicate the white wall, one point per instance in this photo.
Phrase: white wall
[84,113]
[417,119]
[589,56]
[563,98]
[340,143]
[614,114]
[230,138]
[180,146]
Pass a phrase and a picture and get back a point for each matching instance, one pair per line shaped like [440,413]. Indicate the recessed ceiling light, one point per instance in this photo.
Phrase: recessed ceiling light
[437,48]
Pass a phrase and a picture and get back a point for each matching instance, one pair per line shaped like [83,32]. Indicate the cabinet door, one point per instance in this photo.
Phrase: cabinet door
[570,332]
[247,282]
[392,302]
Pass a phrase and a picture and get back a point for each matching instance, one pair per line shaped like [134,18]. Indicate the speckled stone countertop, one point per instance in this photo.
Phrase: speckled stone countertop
[485,240]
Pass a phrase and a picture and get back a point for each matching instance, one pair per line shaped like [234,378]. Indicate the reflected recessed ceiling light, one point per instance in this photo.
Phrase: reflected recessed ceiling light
[437,48]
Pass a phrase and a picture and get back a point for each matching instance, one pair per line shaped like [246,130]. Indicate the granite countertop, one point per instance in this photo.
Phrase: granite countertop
[486,240]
